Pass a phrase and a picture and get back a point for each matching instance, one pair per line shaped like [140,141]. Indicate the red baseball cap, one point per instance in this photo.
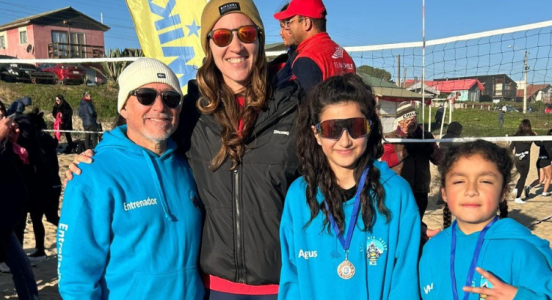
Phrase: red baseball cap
[309,8]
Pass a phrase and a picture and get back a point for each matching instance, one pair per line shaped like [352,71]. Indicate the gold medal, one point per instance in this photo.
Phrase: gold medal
[346,270]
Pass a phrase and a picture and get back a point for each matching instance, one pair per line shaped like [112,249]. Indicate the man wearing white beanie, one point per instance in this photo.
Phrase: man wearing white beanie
[131,223]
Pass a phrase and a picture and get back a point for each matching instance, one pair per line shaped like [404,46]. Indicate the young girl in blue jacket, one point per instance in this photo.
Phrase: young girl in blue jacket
[350,227]
[481,256]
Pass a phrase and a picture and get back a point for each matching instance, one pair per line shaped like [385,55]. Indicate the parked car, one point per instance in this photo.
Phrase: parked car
[20,72]
[547,108]
[65,73]
[509,108]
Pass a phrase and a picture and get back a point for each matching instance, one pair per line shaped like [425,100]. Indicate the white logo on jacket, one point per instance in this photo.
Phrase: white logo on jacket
[307,254]
[338,53]
[428,288]
[139,204]
[281,132]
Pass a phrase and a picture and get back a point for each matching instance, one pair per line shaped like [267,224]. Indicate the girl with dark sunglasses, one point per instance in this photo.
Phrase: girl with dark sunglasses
[350,227]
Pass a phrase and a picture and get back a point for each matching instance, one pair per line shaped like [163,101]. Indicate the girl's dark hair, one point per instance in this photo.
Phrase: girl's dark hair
[218,99]
[315,166]
[500,156]
[524,128]
[3,108]
[549,132]
[447,216]
[60,97]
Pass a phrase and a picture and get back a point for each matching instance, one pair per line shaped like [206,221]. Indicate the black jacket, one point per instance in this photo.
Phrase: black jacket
[414,166]
[240,240]
[87,113]
[66,115]
[12,191]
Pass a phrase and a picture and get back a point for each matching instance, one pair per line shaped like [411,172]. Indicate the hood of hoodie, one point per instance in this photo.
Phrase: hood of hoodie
[385,175]
[509,229]
[118,139]
[385,172]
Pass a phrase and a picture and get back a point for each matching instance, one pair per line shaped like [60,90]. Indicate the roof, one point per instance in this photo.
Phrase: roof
[532,89]
[426,88]
[386,90]
[450,85]
[57,17]
[474,77]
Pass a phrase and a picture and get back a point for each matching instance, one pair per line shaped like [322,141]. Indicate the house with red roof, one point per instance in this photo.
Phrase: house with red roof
[469,89]
[498,87]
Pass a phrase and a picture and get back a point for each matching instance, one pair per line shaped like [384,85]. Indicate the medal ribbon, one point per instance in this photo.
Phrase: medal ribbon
[346,243]
[476,253]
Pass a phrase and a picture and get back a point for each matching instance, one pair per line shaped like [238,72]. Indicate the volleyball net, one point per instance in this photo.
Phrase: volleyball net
[485,81]
[492,80]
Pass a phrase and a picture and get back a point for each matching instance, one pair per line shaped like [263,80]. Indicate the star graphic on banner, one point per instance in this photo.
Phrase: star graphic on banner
[194,29]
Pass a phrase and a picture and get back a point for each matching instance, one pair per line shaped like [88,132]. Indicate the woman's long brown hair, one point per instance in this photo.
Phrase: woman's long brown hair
[217,98]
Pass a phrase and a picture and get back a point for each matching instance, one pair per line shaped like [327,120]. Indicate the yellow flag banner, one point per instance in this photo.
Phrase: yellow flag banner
[169,30]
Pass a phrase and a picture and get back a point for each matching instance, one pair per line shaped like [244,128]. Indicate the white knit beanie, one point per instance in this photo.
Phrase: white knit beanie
[141,72]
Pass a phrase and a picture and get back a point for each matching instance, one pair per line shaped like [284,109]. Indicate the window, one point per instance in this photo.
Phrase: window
[68,44]
[499,86]
[23,37]
[3,42]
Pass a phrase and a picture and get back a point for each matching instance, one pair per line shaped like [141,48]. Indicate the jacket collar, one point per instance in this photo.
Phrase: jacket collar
[312,41]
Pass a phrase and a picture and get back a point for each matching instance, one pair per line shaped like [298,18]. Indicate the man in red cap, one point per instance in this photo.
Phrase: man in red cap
[318,57]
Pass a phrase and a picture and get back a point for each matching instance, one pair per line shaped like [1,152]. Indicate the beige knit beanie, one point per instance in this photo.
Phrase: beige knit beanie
[141,72]
[215,9]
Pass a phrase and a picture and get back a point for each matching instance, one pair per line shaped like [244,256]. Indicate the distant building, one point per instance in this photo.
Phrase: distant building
[497,87]
[388,96]
[63,33]
[535,92]
[469,89]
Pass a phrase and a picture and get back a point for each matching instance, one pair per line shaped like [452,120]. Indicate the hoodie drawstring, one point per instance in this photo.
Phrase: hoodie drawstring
[155,178]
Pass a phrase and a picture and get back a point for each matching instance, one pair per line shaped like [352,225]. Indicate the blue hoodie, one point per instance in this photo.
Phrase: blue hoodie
[311,255]
[130,227]
[509,251]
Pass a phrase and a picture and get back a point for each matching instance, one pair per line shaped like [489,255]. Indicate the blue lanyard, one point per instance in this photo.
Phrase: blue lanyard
[346,243]
[476,253]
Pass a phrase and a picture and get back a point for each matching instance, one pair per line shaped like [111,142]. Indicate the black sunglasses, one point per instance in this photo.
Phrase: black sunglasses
[222,37]
[147,96]
[333,129]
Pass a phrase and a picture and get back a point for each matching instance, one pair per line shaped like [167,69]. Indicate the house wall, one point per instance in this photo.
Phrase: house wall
[43,36]
[474,94]
[387,112]
[14,48]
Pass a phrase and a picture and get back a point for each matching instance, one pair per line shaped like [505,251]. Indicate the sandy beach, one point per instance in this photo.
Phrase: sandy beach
[536,214]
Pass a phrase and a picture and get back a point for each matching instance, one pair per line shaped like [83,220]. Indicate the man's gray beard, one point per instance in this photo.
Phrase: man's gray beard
[163,138]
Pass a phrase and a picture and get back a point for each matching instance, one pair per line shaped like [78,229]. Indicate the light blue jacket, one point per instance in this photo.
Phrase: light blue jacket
[385,259]
[130,226]
[509,251]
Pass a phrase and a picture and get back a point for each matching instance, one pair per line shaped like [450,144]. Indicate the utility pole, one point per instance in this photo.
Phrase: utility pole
[525,69]
[399,70]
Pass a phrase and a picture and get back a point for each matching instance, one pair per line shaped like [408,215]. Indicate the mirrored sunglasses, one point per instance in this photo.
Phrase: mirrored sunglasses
[222,37]
[333,129]
[147,96]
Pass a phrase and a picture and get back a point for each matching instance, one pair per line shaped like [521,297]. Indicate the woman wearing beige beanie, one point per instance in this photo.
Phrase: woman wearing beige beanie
[239,138]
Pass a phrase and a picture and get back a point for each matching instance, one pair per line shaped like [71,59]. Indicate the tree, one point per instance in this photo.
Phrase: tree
[374,72]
